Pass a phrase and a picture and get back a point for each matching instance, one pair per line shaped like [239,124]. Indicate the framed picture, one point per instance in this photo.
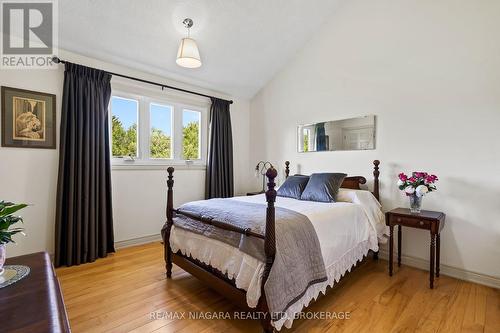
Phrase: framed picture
[28,119]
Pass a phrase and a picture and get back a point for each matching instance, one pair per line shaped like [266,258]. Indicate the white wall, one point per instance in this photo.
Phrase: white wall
[30,175]
[430,71]
[139,196]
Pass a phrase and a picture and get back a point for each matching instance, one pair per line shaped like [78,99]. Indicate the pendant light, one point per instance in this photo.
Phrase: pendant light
[188,55]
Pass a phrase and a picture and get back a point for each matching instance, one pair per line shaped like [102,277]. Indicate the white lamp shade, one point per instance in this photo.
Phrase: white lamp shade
[188,54]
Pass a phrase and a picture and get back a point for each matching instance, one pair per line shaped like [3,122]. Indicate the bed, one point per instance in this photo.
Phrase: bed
[346,231]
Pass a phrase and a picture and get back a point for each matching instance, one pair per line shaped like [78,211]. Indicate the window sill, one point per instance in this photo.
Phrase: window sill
[163,166]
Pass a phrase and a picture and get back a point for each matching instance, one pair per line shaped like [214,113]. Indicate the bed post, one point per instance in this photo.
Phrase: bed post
[287,169]
[170,221]
[376,173]
[269,246]
[376,192]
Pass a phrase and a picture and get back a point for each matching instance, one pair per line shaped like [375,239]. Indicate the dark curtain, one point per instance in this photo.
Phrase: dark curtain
[321,137]
[84,220]
[219,180]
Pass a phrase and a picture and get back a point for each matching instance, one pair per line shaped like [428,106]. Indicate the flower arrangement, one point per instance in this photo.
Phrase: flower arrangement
[420,183]
[417,186]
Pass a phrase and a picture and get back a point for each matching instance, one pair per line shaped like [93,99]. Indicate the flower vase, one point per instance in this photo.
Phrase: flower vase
[3,255]
[415,203]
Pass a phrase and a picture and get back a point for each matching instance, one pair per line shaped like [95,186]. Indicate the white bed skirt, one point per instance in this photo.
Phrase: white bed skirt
[247,271]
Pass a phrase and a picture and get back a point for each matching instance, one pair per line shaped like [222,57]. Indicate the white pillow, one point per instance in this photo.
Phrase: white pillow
[346,195]
[370,205]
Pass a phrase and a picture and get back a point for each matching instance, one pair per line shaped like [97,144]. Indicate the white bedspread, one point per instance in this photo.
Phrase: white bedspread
[346,231]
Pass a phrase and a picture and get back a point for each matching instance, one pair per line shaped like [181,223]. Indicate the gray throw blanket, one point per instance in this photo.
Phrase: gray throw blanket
[298,263]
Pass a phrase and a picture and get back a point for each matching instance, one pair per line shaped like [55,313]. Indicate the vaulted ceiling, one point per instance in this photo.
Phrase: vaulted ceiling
[243,43]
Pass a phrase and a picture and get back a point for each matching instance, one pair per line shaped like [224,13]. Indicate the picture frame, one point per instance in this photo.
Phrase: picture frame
[28,119]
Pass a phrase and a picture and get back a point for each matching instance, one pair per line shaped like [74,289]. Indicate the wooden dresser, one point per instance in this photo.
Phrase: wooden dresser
[35,303]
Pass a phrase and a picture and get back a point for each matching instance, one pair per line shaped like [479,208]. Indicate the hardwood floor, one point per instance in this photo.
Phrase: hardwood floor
[122,293]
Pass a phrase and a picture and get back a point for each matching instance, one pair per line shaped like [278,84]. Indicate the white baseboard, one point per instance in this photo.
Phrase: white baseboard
[129,242]
[137,241]
[454,272]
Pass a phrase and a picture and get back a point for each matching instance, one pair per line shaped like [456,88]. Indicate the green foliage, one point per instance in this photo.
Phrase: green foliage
[191,141]
[306,143]
[7,220]
[124,141]
[160,144]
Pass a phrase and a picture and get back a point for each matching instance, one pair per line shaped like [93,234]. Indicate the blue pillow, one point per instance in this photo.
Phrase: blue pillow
[293,187]
[323,187]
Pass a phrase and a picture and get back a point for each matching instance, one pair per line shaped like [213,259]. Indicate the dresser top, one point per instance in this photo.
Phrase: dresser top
[33,304]
[427,214]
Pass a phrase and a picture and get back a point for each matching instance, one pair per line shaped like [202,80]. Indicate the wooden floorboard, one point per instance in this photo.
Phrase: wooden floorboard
[124,293]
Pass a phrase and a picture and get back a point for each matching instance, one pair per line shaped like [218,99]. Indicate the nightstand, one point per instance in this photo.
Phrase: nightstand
[255,193]
[426,220]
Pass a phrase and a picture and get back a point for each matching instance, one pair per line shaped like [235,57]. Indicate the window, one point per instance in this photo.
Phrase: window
[124,126]
[191,134]
[152,130]
[307,137]
[161,131]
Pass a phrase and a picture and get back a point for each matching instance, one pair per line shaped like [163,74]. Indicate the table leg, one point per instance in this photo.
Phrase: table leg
[399,245]
[391,245]
[433,256]
[438,253]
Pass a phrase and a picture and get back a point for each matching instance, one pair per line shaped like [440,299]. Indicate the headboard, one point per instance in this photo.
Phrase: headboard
[353,182]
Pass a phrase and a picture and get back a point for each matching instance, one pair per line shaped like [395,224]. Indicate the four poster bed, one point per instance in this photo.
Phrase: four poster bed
[206,255]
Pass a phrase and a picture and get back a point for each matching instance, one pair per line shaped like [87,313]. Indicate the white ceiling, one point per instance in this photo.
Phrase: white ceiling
[243,43]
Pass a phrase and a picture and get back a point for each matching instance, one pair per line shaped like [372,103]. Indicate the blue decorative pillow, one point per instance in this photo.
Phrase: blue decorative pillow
[323,187]
[293,187]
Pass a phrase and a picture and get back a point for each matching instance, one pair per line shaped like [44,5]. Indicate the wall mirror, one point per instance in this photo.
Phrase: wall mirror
[346,134]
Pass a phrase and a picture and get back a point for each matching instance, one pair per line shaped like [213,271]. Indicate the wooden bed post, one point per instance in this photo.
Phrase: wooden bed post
[376,173]
[287,169]
[376,192]
[270,240]
[170,221]
[269,246]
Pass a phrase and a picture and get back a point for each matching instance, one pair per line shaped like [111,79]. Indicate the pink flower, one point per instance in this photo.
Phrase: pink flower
[412,180]
[420,174]
[403,177]
[431,179]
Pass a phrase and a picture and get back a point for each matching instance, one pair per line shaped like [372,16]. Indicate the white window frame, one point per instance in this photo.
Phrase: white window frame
[127,96]
[145,97]
[145,143]
[200,140]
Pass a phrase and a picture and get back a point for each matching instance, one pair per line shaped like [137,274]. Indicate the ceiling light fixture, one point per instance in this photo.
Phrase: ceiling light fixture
[188,54]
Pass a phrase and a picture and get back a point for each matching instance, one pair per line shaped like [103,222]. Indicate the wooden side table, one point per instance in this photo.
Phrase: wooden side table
[427,220]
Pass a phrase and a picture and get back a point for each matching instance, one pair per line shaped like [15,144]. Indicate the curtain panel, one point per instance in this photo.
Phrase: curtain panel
[219,178]
[84,217]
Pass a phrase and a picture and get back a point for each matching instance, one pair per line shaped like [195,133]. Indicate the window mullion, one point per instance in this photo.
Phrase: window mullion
[177,133]
[144,132]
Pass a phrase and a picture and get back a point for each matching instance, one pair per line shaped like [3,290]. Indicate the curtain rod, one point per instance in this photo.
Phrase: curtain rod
[163,86]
